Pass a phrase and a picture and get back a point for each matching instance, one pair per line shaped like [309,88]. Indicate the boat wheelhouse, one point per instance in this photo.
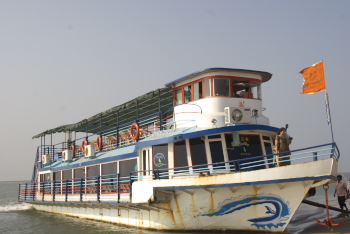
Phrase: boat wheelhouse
[189,156]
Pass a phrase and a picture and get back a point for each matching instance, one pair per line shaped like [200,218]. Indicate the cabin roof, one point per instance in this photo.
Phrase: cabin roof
[265,75]
[146,104]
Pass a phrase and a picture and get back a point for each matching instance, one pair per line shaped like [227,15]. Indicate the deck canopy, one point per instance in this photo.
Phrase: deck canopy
[266,76]
[147,104]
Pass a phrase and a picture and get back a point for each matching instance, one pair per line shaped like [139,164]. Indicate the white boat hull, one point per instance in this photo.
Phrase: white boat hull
[263,200]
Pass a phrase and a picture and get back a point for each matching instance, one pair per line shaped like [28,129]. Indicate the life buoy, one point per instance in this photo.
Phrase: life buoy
[99,143]
[85,143]
[72,147]
[135,133]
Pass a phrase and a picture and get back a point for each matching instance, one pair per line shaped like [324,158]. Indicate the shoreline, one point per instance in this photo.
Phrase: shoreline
[304,220]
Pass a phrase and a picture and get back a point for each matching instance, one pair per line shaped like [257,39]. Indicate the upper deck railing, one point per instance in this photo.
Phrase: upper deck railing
[116,189]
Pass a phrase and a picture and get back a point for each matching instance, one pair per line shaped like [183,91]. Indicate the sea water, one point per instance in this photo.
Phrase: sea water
[18,218]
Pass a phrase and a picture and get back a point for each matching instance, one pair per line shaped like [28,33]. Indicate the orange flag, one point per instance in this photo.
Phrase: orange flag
[314,80]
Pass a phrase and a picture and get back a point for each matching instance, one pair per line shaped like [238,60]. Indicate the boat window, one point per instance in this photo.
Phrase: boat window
[79,173]
[67,175]
[178,96]
[198,90]
[198,153]
[230,153]
[217,155]
[110,168]
[256,93]
[241,88]
[45,177]
[188,93]
[160,156]
[268,150]
[222,87]
[126,167]
[93,171]
[144,161]
[207,88]
[249,147]
[180,155]
[57,175]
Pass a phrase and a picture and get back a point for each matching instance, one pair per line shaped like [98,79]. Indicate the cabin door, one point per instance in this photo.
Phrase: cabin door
[146,159]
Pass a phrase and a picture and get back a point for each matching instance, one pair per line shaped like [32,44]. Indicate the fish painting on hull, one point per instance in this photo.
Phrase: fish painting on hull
[279,214]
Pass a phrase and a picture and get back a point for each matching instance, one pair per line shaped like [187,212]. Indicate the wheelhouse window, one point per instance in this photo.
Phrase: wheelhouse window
[218,87]
[207,88]
[188,93]
[241,88]
[178,96]
[222,87]
[198,90]
[256,92]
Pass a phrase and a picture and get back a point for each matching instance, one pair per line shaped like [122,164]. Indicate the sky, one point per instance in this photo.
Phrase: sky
[63,61]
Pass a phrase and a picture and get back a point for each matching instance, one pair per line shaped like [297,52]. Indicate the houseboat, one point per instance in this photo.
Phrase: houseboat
[196,154]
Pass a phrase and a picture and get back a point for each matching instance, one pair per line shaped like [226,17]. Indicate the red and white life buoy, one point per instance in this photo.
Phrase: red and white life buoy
[135,131]
[99,143]
[85,143]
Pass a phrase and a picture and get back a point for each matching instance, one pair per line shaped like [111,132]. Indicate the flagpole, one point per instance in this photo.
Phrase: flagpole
[328,107]
[329,117]
[315,81]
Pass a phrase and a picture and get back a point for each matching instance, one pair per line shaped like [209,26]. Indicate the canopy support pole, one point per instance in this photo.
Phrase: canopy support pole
[118,138]
[160,112]
[100,123]
[87,128]
[137,111]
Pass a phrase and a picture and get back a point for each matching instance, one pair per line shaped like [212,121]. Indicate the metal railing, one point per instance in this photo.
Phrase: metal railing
[303,155]
[115,189]
[106,188]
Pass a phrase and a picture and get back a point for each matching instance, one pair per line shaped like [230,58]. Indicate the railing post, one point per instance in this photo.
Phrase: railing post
[238,166]
[43,194]
[53,153]
[315,156]
[19,192]
[157,177]
[130,187]
[160,121]
[54,191]
[81,190]
[66,191]
[25,192]
[98,188]
[118,137]
[333,149]
[34,192]
[118,187]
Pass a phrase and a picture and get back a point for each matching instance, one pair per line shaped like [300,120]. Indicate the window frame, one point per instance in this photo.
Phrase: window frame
[212,83]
